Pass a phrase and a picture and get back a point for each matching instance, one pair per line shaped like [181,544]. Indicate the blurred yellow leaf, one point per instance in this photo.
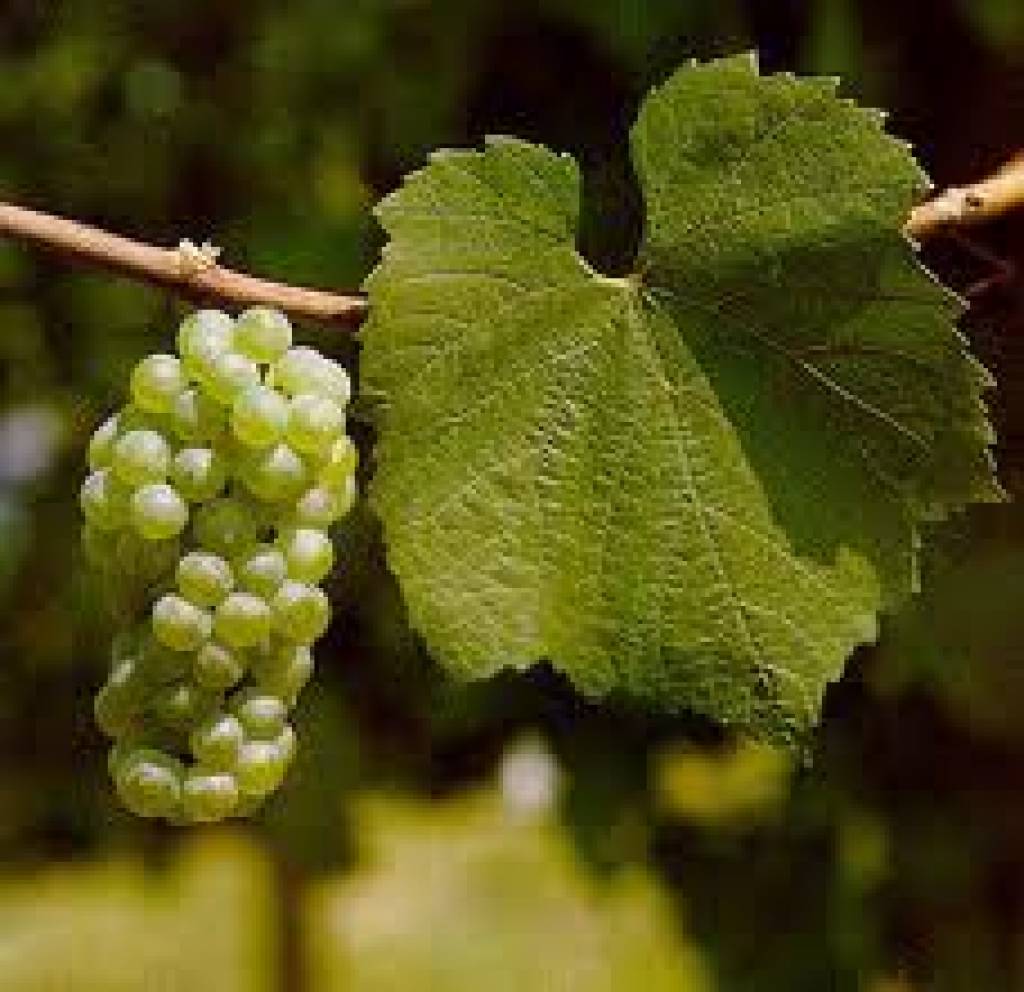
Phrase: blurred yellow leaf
[748,783]
[206,922]
[471,895]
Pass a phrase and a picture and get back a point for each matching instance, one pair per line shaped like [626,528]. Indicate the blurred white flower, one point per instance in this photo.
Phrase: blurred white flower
[530,778]
[29,440]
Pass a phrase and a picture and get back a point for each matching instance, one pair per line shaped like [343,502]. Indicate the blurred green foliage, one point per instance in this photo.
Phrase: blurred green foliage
[891,862]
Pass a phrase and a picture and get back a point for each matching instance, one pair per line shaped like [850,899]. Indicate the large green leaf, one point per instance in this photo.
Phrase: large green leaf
[700,483]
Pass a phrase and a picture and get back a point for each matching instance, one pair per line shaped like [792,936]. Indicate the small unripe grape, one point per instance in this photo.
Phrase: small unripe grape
[341,463]
[226,526]
[158,512]
[202,336]
[259,417]
[199,473]
[276,474]
[242,620]
[301,613]
[286,744]
[195,417]
[101,444]
[119,750]
[262,334]
[117,704]
[156,383]
[208,798]
[284,671]
[262,570]
[305,370]
[309,554]
[260,768]
[141,456]
[262,716]
[134,418]
[98,546]
[179,624]
[216,668]
[215,741]
[314,423]
[149,782]
[321,506]
[179,705]
[229,375]
[145,561]
[104,501]
[204,578]
[159,664]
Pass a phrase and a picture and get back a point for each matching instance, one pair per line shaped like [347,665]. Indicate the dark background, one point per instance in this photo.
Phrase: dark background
[895,859]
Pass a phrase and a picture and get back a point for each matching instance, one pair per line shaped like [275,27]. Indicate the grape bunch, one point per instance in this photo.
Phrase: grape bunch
[207,508]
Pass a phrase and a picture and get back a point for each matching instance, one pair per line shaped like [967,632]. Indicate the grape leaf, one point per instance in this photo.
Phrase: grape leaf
[697,484]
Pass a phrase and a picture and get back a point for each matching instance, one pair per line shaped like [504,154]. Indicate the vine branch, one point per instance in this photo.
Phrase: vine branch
[193,272]
[189,271]
[963,206]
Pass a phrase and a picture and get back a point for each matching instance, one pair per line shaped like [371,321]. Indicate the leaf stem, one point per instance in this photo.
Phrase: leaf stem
[176,269]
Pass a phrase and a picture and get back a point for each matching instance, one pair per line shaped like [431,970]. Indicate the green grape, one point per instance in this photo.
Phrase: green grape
[158,512]
[207,798]
[118,703]
[276,474]
[179,624]
[145,562]
[216,740]
[226,526]
[262,570]
[305,370]
[180,705]
[229,375]
[159,664]
[141,456]
[206,510]
[156,383]
[242,620]
[321,506]
[97,546]
[101,445]
[300,612]
[204,578]
[262,715]
[104,501]
[284,671]
[119,750]
[216,668]
[199,473]
[263,335]
[259,417]
[340,465]
[194,417]
[201,337]
[133,418]
[286,743]
[260,767]
[309,554]
[314,423]
[149,782]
